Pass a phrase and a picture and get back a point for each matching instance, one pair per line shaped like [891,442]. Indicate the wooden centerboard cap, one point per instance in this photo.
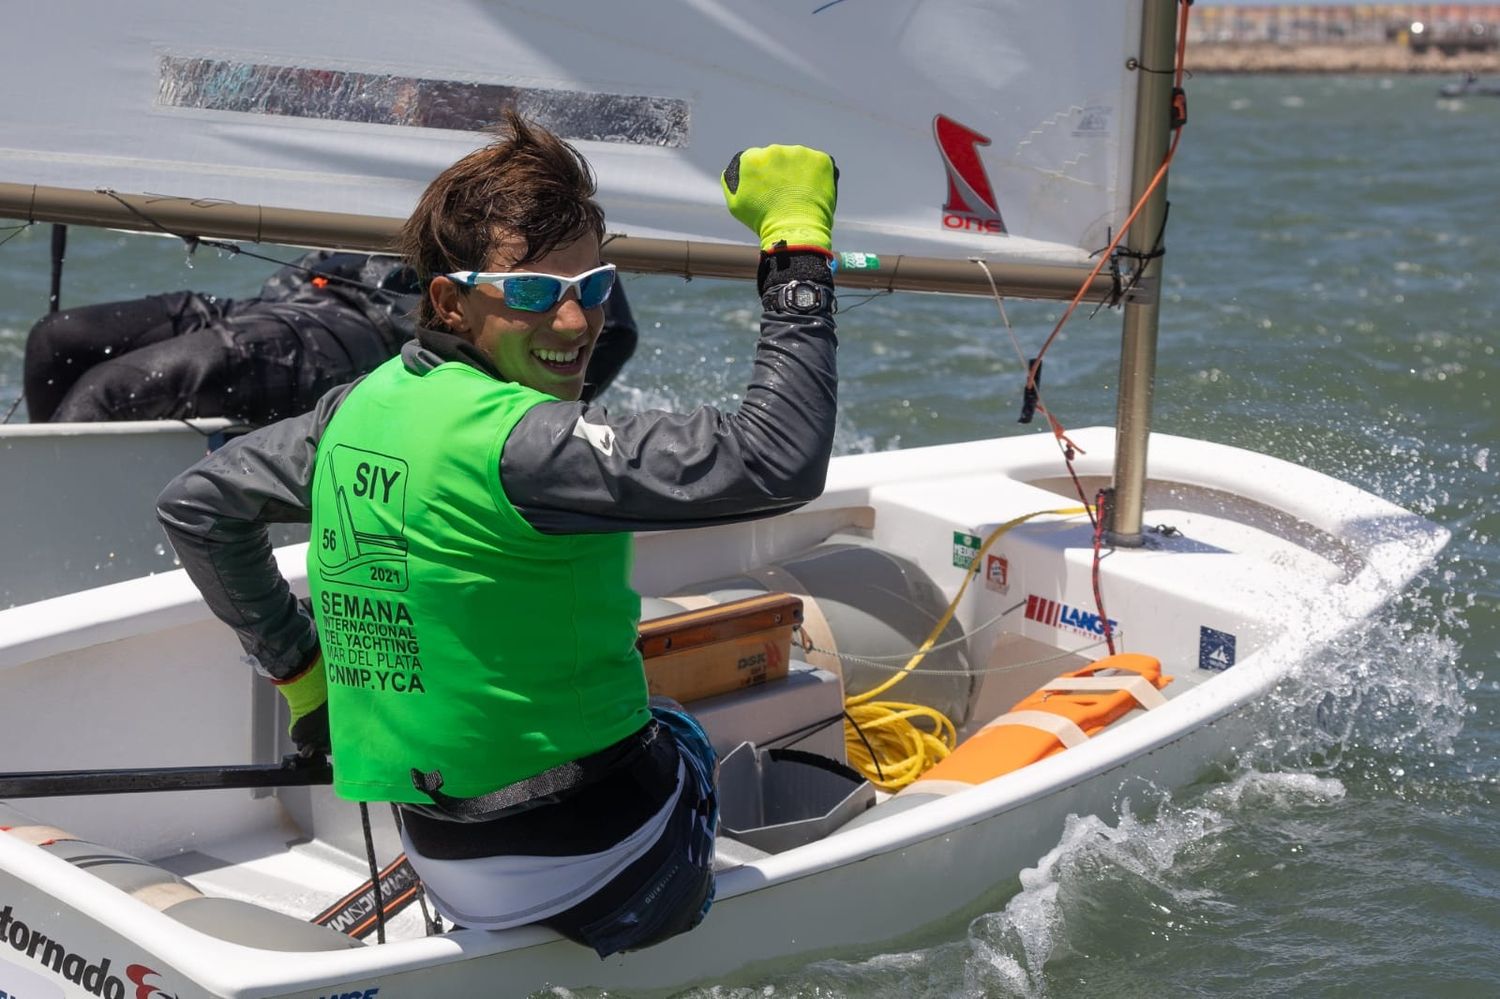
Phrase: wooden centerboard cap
[723,622]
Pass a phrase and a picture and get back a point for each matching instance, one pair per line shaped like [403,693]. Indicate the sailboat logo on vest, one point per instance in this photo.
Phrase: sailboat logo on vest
[971,204]
[366,544]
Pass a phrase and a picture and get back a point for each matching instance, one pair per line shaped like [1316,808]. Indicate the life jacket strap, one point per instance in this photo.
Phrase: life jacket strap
[1067,732]
[1138,687]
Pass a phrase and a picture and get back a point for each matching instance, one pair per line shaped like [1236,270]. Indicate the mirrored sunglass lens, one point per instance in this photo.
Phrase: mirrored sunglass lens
[531,294]
[595,289]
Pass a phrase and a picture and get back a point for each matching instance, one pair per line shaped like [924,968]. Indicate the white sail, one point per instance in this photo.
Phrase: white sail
[962,133]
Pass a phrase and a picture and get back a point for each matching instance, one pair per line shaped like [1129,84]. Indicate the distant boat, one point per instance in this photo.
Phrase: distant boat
[1470,87]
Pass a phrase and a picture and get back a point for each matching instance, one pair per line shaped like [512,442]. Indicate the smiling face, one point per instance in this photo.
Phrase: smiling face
[547,351]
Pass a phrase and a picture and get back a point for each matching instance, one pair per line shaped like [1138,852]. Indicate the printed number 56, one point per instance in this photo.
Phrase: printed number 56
[330,540]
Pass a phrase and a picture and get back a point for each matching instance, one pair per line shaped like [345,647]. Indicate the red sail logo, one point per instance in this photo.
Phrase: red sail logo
[971,204]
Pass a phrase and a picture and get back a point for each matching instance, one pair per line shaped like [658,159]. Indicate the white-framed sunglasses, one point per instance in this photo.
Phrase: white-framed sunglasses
[533,292]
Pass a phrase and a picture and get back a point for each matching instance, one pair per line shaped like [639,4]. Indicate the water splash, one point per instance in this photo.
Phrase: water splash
[1380,703]
[1065,901]
[1374,724]
[1010,949]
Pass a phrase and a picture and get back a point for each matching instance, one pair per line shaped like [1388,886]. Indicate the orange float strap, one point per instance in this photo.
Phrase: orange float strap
[1060,714]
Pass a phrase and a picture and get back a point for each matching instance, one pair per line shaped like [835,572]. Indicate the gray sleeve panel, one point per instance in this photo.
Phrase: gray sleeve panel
[570,469]
[215,515]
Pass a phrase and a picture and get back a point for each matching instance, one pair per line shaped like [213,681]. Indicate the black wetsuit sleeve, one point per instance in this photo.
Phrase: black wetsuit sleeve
[216,515]
[569,468]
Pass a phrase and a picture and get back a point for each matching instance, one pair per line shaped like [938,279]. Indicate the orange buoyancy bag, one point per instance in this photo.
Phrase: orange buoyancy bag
[1061,713]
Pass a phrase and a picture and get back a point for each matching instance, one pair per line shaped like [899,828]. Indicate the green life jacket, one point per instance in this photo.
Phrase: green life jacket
[458,638]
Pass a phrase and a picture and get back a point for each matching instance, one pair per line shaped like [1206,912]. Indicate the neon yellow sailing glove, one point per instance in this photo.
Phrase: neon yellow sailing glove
[307,696]
[785,195]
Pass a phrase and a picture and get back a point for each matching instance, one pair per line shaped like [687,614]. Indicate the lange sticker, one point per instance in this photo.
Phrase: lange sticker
[1066,617]
[965,549]
[1215,648]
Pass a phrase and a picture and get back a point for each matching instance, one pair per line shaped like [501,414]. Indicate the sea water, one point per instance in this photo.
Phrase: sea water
[1331,297]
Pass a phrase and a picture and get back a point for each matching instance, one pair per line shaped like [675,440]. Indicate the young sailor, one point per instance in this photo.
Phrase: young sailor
[473,657]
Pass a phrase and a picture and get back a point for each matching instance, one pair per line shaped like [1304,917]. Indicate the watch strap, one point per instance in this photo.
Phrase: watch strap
[792,265]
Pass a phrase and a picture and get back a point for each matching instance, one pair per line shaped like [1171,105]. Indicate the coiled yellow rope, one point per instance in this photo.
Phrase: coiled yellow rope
[883,740]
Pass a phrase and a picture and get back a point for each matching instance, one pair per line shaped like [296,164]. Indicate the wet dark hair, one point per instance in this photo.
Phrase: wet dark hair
[528,184]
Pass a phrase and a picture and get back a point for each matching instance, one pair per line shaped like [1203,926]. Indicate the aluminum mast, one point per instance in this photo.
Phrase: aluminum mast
[1138,337]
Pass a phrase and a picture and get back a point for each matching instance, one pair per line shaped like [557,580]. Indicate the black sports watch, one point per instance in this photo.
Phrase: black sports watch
[799,296]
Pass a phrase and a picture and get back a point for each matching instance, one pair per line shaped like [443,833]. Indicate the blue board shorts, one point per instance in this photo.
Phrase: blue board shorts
[670,888]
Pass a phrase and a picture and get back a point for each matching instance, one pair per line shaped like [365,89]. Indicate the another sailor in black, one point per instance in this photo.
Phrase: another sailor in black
[321,321]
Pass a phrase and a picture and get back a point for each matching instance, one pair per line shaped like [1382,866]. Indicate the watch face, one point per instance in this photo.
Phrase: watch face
[804,296]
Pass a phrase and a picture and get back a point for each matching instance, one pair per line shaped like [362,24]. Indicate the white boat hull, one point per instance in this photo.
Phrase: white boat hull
[1279,558]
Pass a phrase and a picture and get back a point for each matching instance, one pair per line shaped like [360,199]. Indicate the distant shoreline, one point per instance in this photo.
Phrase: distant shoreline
[1267,57]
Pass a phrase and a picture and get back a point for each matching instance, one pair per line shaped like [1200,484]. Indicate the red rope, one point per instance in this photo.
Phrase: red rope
[1101,500]
[1179,104]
